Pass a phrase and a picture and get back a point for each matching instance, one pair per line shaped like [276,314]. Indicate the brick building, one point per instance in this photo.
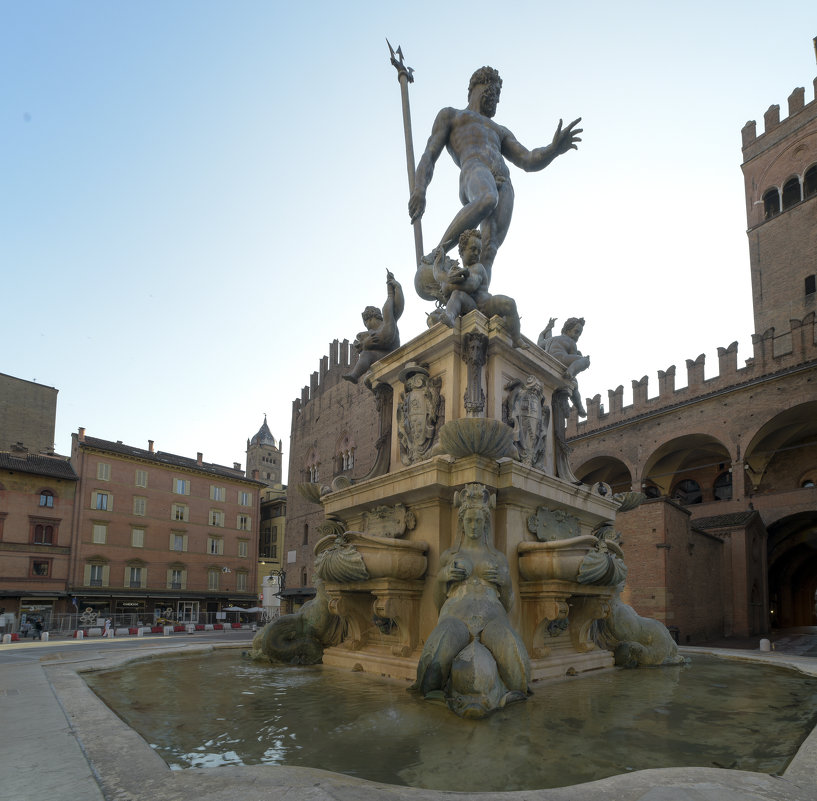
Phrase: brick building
[728,541]
[265,460]
[335,428]
[28,415]
[156,534]
[36,506]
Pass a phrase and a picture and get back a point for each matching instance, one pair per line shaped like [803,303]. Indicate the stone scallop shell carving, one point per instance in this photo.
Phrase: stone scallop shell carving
[480,436]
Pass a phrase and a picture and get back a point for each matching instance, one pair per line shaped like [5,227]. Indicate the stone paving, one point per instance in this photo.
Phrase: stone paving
[60,743]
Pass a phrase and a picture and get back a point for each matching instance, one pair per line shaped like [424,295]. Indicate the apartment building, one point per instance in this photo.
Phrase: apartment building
[161,535]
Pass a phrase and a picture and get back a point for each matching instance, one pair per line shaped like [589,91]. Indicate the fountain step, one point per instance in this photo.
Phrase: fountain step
[558,665]
[377,661]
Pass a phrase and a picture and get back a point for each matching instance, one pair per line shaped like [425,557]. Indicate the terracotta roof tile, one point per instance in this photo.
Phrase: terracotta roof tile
[37,464]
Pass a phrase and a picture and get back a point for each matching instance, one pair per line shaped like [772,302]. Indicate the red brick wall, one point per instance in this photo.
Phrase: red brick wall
[328,410]
[674,573]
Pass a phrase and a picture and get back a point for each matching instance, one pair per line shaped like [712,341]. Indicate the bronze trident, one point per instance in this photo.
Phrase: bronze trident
[405,75]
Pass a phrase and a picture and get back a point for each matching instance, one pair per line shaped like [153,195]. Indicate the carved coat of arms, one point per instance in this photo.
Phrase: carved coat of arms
[418,413]
[526,411]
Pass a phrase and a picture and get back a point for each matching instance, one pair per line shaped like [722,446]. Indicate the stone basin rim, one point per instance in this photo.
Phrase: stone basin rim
[373,540]
[90,715]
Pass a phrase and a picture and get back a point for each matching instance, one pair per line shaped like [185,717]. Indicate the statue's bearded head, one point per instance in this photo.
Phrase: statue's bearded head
[486,80]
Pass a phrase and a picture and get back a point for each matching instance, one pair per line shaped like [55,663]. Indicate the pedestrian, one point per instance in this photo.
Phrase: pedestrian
[25,628]
[38,630]
[107,632]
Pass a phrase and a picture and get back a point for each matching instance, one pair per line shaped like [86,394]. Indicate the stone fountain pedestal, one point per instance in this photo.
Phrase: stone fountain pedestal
[467,407]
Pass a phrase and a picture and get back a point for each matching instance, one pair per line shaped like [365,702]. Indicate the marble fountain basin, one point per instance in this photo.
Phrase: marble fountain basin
[381,557]
[567,559]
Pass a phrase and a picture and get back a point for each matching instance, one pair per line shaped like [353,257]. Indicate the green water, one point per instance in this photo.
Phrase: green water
[222,709]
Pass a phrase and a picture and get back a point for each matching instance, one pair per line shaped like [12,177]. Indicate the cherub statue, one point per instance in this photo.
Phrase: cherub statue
[563,348]
[466,288]
[381,336]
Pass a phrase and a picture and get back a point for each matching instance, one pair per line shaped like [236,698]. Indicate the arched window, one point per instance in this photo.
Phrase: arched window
[651,491]
[306,533]
[771,203]
[345,454]
[303,577]
[791,193]
[312,466]
[811,284]
[47,498]
[687,492]
[722,488]
[810,182]
[807,482]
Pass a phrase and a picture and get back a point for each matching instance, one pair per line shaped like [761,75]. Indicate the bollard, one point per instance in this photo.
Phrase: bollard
[140,631]
[166,630]
[44,636]
[765,645]
[6,638]
[191,627]
[79,634]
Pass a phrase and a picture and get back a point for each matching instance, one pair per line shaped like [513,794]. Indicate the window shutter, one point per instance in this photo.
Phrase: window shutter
[106,575]
[86,580]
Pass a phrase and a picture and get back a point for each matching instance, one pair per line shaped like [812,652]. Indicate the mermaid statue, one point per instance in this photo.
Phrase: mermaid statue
[473,659]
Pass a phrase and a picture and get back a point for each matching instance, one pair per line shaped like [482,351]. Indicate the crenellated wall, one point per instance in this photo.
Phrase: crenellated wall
[771,355]
[330,371]
[330,416]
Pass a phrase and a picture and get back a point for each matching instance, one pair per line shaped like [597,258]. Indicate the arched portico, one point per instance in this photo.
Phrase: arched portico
[792,547]
[690,469]
[608,469]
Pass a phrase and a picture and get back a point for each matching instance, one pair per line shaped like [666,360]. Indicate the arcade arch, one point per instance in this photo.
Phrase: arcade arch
[792,544]
[608,469]
[689,469]
[784,450]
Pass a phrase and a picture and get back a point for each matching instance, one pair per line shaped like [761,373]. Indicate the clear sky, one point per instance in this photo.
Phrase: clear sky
[197,197]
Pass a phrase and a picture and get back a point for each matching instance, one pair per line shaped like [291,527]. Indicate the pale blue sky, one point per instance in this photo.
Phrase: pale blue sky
[196,197]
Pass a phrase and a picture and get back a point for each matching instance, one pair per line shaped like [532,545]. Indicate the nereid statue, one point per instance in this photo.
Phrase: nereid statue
[381,336]
[473,658]
[479,147]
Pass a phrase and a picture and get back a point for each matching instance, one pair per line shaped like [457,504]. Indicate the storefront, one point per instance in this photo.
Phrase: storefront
[32,609]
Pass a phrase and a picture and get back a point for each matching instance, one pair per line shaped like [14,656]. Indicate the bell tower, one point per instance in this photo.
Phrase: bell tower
[264,455]
[780,176]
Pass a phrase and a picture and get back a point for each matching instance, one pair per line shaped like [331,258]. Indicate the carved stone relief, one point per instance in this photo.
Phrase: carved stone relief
[419,413]
[526,411]
[549,525]
[389,521]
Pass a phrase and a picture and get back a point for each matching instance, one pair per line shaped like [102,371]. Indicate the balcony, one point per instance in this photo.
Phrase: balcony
[96,582]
